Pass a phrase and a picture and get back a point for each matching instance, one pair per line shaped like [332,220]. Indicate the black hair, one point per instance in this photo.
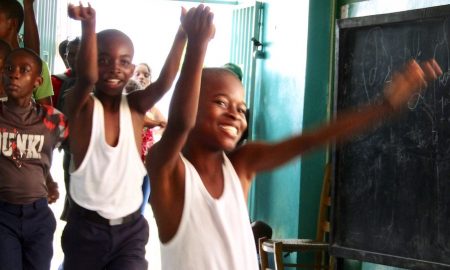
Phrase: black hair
[261,229]
[34,56]
[62,47]
[74,42]
[147,66]
[13,10]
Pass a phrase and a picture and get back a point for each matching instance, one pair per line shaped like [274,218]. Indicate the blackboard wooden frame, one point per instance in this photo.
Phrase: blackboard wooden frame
[337,248]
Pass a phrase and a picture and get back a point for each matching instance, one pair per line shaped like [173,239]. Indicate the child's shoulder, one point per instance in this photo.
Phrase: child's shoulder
[52,117]
[48,110]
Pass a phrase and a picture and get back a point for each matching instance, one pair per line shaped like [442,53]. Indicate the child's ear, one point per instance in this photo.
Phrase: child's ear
[38,82]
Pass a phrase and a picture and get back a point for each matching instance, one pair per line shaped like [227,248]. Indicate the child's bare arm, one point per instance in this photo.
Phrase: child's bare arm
[255,157]
[164,163]
[30,29]
[142,101]
[154,118]
[199,29]
[87,69]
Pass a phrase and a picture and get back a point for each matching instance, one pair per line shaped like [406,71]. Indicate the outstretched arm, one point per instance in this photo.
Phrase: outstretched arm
[87,69]
[142,101]
[30,29]
[255,157]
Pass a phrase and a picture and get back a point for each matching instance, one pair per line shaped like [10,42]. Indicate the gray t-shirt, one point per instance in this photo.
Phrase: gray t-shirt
[27,139]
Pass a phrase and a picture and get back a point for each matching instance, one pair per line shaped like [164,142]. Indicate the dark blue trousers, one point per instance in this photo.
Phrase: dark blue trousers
[26,235]
[92,246]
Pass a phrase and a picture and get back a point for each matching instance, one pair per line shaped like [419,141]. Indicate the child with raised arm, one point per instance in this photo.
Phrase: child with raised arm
[199,180]
[29,134]
[105,229]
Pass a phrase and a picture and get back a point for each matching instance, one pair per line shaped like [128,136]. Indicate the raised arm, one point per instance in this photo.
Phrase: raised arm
[199,29]
[86,62]
[142,101]
[30,29]
[255,157]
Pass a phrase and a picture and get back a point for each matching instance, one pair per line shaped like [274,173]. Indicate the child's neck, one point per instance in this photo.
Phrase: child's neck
[19,103]
[201,159]
[110,102]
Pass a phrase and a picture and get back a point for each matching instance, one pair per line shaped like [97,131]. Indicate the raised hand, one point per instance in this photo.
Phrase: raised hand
[81,13]
[410,81]
[198,24]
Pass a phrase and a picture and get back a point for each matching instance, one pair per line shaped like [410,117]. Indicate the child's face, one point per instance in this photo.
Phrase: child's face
[115,66]
[20,75]
[142,75]
[221,115]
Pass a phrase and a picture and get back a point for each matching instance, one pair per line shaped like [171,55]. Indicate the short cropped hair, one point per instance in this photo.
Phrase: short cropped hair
[115,34]
[147,66]
[235,69]
[37,60]
[76,41]
[62,47]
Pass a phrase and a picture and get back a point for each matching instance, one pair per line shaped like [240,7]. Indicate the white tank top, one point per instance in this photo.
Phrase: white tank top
[214,234]
[109,179]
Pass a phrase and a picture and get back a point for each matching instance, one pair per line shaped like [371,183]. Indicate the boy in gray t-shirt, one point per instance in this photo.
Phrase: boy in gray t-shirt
[29,132]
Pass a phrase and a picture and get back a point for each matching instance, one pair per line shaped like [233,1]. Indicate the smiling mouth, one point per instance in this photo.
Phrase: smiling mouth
[230,130]
[113,82]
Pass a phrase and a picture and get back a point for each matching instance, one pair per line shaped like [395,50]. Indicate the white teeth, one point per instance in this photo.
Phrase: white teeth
[230,130]
[113,81]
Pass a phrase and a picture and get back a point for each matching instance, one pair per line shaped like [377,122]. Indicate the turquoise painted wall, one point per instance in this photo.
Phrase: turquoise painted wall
[372,7]
[291,95]
[277,112]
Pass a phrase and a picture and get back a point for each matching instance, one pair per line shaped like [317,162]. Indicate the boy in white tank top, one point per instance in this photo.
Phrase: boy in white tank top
[198,192]
[105,229]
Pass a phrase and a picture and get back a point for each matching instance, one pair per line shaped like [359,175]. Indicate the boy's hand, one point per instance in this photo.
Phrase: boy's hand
[81,13]
[410,81]
[198,24]
[53,192]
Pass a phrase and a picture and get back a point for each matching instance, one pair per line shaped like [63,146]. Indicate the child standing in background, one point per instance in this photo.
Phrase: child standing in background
[142,77]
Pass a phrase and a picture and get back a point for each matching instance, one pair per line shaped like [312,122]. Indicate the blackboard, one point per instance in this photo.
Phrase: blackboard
[391,186]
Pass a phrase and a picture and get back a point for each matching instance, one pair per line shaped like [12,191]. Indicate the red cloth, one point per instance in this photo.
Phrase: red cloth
[57,83]
[147,141]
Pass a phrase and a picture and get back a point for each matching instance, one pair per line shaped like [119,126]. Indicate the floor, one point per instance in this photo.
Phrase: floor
[153,255]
